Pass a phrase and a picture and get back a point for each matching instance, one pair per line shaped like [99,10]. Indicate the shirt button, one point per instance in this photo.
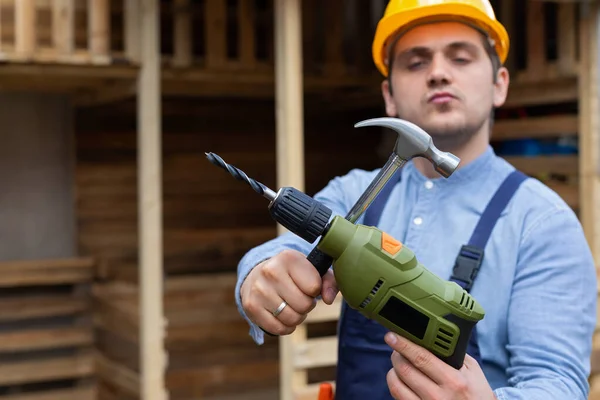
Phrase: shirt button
[418,221]
[428,185]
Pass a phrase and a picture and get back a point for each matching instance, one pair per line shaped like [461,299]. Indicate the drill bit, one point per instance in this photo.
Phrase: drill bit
[241,176]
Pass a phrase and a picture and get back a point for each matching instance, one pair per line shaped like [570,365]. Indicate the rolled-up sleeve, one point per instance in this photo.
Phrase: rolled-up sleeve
[552,313]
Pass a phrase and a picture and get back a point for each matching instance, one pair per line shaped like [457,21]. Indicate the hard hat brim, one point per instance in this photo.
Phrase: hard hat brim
[389,27]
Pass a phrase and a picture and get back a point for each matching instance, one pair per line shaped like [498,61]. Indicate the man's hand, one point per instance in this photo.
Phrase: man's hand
[288,277]
[417,374]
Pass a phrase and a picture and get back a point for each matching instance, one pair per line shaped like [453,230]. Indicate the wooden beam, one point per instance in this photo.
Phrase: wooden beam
[63,26]
[182,33]
[152,324]
[589,127]
[25,35]
[535,127]
[290,149]
[99,29]
[131,28]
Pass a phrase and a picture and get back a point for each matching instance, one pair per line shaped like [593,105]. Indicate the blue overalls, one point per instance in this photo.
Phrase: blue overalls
[363,356]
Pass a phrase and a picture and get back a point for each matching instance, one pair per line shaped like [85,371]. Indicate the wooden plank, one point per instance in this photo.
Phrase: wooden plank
[19,308]
[44,339]
[589,126]
[63,26]
[246,36]
[150,249]
[290,151]
[62,367]
[131,28]
[215,15]
[86,392]
[535,37]
[182,35]
[316,352]
[567,38]
[325,312]
[539,93]
[557,164]
[99,30]
[25,29]
[536,127]
[334,38]
[46,272]
[118,375]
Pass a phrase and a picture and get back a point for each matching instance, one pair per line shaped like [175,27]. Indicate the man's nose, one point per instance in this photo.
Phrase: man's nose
[439,71]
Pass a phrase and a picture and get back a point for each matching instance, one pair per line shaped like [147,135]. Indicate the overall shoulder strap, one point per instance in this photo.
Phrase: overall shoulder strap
[373,213]
[470,256]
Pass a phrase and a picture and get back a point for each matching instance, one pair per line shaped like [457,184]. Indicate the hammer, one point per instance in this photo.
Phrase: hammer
[412,142]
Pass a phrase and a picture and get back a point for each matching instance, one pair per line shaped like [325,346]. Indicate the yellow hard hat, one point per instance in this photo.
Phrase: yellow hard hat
[401,14]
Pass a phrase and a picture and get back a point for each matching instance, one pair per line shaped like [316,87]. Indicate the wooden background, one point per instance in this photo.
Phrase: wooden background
[210,221]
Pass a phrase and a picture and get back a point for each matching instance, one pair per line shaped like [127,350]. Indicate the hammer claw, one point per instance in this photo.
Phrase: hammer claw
[413,141]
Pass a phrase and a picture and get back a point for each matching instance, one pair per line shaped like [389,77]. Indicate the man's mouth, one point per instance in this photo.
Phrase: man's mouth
[441,98]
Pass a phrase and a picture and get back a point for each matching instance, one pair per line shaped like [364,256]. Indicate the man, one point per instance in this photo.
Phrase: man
[443,66]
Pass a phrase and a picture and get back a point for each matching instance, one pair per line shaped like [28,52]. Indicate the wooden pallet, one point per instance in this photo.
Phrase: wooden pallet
[210,354]
[46,340]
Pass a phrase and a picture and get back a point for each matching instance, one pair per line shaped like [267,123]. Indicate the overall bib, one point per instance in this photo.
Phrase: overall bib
[363,356]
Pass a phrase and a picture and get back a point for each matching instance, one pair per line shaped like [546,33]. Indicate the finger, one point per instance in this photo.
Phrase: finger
[288,316]
[302,272]
[300,302]
[329,289]
[398,389]
[420,358]
[415,379]
[271,324]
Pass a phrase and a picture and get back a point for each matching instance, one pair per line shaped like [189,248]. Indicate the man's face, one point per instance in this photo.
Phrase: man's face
[442,80]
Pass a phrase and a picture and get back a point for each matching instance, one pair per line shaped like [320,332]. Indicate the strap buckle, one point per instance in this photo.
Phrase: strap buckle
[467,265]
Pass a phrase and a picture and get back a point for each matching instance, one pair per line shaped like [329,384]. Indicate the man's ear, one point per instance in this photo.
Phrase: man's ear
[501,87]
[390,106]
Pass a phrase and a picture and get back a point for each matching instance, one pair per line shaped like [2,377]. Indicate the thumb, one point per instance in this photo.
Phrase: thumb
[329,289]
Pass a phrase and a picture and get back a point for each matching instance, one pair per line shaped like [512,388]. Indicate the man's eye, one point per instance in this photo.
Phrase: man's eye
[415,64]
[461,60]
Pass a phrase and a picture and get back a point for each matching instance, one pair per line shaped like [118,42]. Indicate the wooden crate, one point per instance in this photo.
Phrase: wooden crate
[46,337]
[56,31]
[210,354]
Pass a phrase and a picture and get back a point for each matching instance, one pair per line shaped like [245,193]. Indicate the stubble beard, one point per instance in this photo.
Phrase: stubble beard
[453,135]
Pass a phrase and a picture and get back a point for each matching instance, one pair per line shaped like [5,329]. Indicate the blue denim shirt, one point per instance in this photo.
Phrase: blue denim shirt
[537,283]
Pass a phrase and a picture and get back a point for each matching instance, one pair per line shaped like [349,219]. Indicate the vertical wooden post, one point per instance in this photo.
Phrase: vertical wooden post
[152,324]
[25,32]
[290,147]
[132,31]
[99,29]
[589,126]
[0,26]
[215,20]
[182,33]
[63,26]
[246,37]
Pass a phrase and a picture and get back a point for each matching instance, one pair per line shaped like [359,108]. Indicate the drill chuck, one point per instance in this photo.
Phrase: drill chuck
[300,213]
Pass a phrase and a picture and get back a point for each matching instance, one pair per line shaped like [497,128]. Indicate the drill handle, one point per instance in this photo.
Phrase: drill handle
[467,330]
[320,260]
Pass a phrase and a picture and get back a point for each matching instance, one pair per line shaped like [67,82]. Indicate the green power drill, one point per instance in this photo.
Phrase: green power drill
[375,273]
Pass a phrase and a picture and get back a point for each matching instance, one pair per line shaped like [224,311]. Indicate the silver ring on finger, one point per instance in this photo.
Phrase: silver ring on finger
[279,309]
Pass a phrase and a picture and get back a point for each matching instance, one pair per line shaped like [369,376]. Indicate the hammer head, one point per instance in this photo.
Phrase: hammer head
[415,142]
